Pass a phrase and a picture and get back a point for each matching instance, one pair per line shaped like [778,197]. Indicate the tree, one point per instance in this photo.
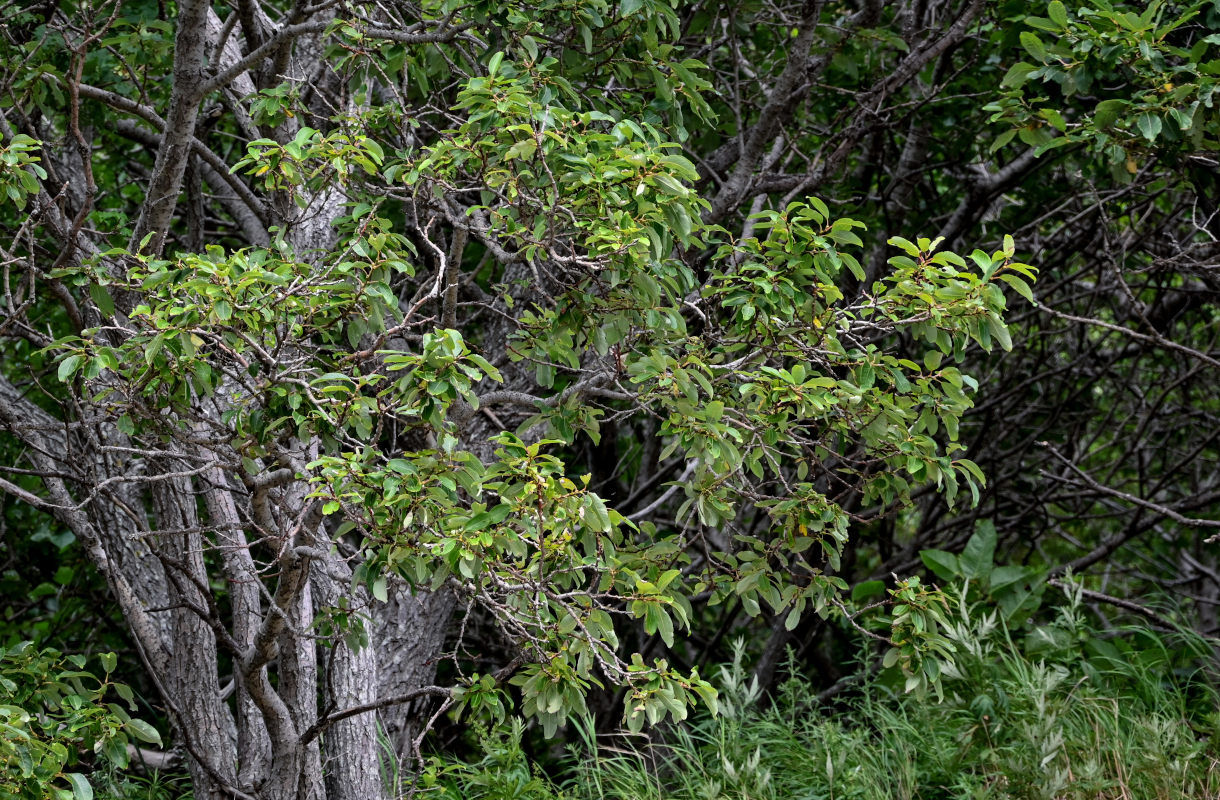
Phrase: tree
[385,356]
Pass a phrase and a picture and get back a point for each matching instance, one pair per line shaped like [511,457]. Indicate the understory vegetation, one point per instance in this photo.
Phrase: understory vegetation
[1057,714]
[1055,711]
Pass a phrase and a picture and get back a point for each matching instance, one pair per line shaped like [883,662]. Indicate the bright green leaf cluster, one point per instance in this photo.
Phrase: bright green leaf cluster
[53,711]
[20,171]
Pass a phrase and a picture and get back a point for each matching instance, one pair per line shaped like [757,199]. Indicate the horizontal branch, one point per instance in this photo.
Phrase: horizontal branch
[1117,602]
[1143,337]
[24,496]
[290,32]
[1165,511]
[319,727]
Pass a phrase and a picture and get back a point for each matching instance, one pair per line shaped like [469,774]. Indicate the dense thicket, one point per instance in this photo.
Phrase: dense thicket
[371,367]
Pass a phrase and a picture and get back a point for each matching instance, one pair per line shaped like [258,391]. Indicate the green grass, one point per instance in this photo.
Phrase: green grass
[1060,713]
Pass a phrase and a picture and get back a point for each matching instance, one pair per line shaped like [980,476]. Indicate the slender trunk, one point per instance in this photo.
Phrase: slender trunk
[190,60]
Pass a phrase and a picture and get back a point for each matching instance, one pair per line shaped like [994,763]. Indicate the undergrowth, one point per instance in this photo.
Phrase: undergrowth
[1056,711]
[1059,712]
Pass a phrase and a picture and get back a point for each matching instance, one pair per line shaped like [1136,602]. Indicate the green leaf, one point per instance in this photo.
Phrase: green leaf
[530,45]
[978,556]
[1034,46]
[355,332]
[943,564]
[1012,600]
[1107,111]
[1003,577]
[999,332]
[1003,139]
[1054,118]
[523,149]
[867,589]
[909,247]
[124,691]
[1058,13]
[1184,120]
[1149,125]
[1017,75]
[68,367]
[143,731]
[153,347]
[101,298]
[1021,287]
[81,790]
[670,186]
[665,627]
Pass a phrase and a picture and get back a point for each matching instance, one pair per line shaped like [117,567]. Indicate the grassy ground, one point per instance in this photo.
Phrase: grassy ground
[1059,713]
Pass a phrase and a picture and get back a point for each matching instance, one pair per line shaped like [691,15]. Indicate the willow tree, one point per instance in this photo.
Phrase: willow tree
[393,358]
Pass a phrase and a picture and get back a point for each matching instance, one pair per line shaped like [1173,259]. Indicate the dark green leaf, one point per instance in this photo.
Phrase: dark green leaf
[943,564]
[976,560]
[81,790]
[867,589]
[1107,112]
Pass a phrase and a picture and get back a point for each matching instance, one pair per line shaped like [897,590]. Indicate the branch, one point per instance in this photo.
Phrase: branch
[290,32]
[590,386]
[1190,522]
[242,205]
[988,186]
[772,116]
[664,498]
[452,272]
[24,496]
[27,422]
[870,104]
[511,397]
[1117,602]
[321,725]
[1143,337]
